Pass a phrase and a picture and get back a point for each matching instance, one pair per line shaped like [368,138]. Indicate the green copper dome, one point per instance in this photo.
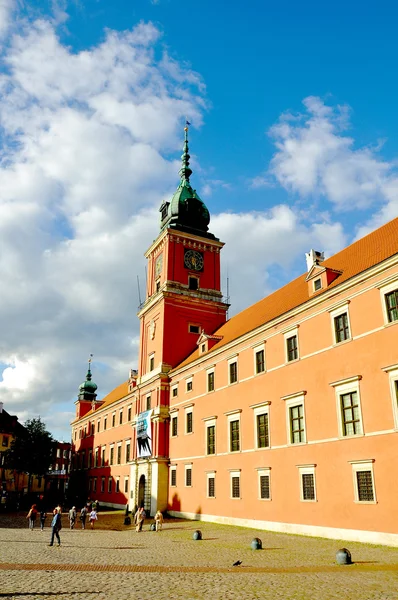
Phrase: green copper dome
[186,211]
[88,388]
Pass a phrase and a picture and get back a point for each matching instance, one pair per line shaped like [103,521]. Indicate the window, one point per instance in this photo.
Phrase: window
[5,441]
[262,430]
[203,348]
[58,452]
[296,416]
[364,490]
[188,475]
[113,420]
[126,485]
[211,439]
[111,455]
[148,403]
[341,328]
[193,283]
[90,457]
[174,426]
[98,426]
[189,421]
[210,381]
[189,385]
[120,417]
[211,486]
[392,306]
[65,454]
[102,485]
[307,483]
[317,284]
[103,457]
[264,488]
[157,285]
[119,454]
[194,329]
[173,476]
[295,421]
[92,428]
[152,362]
[259,356]
[235,484]
[348,406]
[234,436]
[291,348]
[393,380]
[117,484]
[95,458]
[174,392]
[105,420]
[127,452]
[233,371]
[94,484]
[129,413]
[109,485]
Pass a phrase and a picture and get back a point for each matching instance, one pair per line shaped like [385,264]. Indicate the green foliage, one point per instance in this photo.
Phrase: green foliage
[30,452]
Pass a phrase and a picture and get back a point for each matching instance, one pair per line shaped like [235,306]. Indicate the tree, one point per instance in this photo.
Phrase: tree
[30,452]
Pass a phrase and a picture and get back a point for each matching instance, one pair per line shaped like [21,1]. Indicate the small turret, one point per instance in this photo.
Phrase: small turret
[87,397]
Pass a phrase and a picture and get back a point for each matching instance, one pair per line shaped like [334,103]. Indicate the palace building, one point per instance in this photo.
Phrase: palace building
[284,417]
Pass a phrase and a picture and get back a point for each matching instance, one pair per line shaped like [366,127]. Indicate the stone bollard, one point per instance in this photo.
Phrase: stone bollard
[127,521]
[343,557]
[256,544]
[197,535]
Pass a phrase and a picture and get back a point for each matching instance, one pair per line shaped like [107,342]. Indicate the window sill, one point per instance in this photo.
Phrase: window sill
[289,362]
[350,339]
[233,382]
[390,324]
[365,501]
[236,498]
[265,499]
[189,433]
[311,501]
[234,451]
[266,447]
[292,444]
[260,373]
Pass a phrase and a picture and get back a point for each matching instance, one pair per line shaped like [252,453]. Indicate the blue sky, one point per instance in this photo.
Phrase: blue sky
[293,143]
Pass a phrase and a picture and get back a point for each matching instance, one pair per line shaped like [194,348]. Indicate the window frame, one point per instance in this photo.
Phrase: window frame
[307,470]
[291,333]
[110,479]
[258,410]
[235,473]
[392,372]
[256,351]
[174,391]
[188,420]
[264,472]
[233,416]
[341,388]
[174,419]
[292,401]
[151,362]
[210,374]
[210,422]
[127,452]
[189,385]
[338,311]
[173,475]
[210,475]
[385,290]
[233,362]
[363,466]
[188,468]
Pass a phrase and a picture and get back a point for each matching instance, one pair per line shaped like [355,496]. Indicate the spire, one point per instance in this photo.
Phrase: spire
[88,376]
[88,388]
[185,172]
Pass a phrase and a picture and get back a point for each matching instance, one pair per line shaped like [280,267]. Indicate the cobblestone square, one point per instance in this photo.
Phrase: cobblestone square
[114,562]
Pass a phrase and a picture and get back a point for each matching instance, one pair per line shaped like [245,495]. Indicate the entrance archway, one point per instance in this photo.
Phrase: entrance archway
[141,491]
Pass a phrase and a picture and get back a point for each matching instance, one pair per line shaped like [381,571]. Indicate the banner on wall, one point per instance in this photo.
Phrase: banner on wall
[144,441]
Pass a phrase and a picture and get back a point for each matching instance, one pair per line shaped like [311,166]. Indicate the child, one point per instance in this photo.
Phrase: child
[93,518]
[159,521]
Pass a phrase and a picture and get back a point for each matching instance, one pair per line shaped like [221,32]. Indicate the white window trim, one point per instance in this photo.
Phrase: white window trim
[210,475]
[262,409]
[187,381]
[313,284]
[231,361]
[342,387]
[208,372]
[109,488]
[150,356]
[362,465]
[124,486]
[294,400]
[261,472]
[287,335]
[307,470]
[125,451]
[259,348]
[384,290]
[210,422]
[187,467]
[174,387]
[173,415]
[337,312]
[234,416]
[117,484]
[188,410]
[393,380]
[173,468]
[235,473]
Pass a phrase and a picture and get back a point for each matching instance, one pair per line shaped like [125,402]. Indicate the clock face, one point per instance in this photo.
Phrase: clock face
[158,265]
[193,260]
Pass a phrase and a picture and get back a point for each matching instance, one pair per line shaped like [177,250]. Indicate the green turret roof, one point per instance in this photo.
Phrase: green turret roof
[186,211]
[88,388]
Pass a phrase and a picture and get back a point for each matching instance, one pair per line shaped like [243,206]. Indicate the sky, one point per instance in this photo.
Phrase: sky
[294,145]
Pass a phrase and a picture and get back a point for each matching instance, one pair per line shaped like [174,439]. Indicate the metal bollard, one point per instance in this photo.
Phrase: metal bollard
[197,535]
[343,557]
[256,544]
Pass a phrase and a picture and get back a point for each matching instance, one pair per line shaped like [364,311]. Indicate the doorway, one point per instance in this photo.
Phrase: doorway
[141,491]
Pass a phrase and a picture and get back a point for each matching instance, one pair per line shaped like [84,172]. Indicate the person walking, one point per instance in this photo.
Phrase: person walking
[93,518]
[43,516]
[72,517]
[56,527]
[158,521]
[83,517]
[139,519]
[32,514]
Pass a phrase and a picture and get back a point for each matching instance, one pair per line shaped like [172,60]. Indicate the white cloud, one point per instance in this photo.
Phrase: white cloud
[315,157]
[7,8]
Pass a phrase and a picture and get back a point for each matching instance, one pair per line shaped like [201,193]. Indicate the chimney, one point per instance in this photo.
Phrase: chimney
[1,407]
[314,258]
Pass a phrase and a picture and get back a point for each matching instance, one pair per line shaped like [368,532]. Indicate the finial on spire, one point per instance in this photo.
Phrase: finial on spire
[185,172]
[89,368]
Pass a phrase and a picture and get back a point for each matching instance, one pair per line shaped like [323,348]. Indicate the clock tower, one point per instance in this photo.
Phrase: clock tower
[183,299]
